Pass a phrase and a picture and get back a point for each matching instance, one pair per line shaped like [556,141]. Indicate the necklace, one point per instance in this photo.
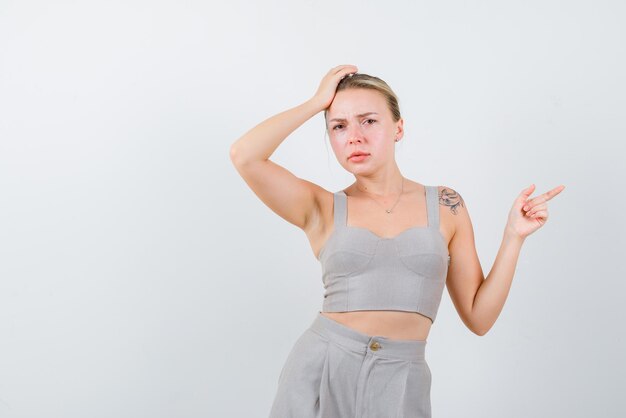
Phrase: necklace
[394,205]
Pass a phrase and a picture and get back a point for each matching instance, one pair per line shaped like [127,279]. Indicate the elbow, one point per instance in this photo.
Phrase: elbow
[233,154]
[474,325]
[240,157]
[236,156]
[480,332]
[478,329]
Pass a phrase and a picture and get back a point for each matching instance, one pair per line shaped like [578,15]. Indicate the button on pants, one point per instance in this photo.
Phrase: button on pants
[333,371]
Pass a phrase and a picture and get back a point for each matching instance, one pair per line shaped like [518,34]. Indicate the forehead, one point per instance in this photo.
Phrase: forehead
[356,101]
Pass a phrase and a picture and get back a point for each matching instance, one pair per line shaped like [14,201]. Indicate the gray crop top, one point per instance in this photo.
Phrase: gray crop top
[362,271]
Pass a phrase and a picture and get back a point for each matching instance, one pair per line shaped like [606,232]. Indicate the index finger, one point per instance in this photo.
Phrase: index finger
[548,195]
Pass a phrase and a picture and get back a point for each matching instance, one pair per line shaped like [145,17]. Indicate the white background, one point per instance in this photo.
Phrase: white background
[141,277]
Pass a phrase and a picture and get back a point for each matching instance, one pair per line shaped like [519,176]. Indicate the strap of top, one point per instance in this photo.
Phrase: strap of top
[339,210]
[432,206]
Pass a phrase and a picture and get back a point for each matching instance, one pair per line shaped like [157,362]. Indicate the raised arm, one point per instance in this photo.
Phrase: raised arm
[290,197]
[477,299]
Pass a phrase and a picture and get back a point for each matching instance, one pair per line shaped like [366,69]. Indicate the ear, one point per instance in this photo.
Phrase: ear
[399,129]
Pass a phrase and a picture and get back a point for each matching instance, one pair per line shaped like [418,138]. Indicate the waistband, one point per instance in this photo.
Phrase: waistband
[409,350]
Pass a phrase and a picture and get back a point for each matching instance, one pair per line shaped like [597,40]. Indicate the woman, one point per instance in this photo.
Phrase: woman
[388,246]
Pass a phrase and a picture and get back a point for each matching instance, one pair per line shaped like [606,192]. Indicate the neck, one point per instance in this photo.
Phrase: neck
[382,186]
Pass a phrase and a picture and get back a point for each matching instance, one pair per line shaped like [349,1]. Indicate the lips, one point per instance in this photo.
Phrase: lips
[357,153]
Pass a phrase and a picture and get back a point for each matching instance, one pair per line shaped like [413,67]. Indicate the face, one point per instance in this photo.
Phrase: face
[360,120]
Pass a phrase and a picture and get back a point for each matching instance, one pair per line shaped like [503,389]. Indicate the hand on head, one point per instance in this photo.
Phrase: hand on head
[328,86]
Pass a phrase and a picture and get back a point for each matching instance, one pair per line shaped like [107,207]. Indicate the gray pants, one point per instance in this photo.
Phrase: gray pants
[333,371]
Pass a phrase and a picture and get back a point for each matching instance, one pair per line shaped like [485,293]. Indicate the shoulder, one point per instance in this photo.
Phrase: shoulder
[453,210]
[450,198]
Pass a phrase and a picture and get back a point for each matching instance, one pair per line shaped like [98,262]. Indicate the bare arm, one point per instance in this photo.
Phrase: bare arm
[260,142]
[494,290]
[526,216]
[480,300]
[290,197]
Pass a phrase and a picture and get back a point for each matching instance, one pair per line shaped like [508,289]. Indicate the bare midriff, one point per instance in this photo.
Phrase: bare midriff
[395,325]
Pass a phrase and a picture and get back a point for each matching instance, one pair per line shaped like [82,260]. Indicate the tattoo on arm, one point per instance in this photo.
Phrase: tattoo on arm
[451,198]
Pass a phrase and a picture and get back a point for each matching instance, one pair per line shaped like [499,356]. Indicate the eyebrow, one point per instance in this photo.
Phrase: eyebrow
[362,115]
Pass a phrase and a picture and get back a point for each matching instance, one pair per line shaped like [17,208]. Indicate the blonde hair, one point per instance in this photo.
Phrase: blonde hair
[365,81]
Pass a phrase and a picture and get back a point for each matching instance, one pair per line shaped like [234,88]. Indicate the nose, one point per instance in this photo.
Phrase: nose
[355,134]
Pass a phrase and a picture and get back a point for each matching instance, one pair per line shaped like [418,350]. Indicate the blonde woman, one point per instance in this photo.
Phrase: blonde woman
[387,246]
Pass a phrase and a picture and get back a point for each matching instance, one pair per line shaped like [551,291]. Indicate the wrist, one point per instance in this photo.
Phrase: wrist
[510,235]
[315,105]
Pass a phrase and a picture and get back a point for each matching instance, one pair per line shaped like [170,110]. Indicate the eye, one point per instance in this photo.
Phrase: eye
[370,121]
[337,126]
